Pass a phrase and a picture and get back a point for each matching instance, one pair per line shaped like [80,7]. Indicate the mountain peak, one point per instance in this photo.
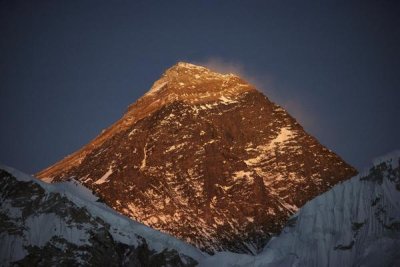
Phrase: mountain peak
[197,84]
[207,158]
[185,68]
[188,65]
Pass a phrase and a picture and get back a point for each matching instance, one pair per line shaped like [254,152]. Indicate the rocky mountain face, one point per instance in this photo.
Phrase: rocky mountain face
[63,225]
[356,223]
[206,158]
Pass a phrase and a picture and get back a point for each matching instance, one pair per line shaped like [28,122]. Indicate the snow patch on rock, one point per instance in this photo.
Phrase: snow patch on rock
[104,178]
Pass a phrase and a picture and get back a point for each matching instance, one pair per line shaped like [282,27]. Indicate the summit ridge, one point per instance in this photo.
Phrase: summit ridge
[196,84]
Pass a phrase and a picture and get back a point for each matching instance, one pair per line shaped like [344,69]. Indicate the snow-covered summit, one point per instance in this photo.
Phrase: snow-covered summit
[185,66]
[196,84]
[392,159]
[182,64]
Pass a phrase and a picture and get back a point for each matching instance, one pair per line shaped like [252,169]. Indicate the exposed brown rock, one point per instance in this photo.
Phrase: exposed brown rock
[207,158]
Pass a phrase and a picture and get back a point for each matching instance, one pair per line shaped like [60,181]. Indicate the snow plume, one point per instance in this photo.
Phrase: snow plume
[222,66]
[265,82]
[226,67]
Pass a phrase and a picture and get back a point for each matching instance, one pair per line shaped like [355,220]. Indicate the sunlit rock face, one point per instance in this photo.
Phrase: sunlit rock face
[207,158]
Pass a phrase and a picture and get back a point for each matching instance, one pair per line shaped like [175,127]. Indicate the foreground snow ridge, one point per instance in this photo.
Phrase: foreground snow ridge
[356,223]
[46,223]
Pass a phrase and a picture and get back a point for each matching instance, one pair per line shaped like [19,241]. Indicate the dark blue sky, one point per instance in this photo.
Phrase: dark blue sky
[68,69]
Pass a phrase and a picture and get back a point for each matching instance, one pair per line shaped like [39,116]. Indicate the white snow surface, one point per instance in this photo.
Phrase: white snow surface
[157,86]
[123,229]
[284,135]
[226,101]
[392,158]
[104,178]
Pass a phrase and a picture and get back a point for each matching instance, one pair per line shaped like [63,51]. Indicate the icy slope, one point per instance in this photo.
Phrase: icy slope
[356,223]
[47,224]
